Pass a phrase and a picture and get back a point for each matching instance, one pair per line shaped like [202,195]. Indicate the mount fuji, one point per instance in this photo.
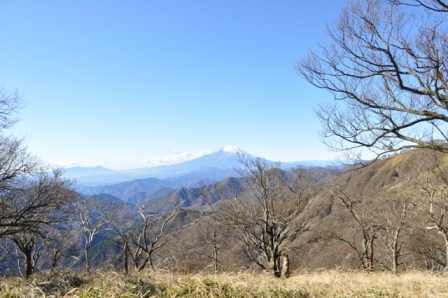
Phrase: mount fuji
[212,167]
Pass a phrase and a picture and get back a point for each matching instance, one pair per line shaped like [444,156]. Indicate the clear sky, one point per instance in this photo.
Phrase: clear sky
[126,84]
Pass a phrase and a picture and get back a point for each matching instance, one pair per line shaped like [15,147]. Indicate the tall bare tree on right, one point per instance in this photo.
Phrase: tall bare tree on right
[435,5]
[387,70]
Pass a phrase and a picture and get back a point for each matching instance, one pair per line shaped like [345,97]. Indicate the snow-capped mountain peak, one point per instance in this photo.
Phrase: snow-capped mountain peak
[230,149]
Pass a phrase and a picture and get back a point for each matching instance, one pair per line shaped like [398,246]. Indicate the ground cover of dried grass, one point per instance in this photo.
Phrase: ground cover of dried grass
[162,284]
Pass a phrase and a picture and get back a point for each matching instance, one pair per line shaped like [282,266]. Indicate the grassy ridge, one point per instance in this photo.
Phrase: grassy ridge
[161,284]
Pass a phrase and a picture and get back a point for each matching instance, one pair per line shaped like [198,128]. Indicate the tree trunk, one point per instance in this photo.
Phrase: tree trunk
[395,253]
[28,262]
[274,264]
[285,266]
[87,253]
[370,253]
[215,258]
[54,261]
[367,253]
[215,250]
[143,265]
[151,265]
[126,261]
[445,270]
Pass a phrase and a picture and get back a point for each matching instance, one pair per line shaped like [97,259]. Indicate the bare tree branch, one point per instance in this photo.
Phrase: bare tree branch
[387,69]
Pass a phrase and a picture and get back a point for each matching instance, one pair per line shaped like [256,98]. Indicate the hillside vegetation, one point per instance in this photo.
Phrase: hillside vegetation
[389,216]
[161,284]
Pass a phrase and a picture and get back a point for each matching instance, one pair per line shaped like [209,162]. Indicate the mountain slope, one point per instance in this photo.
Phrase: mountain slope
[125,190]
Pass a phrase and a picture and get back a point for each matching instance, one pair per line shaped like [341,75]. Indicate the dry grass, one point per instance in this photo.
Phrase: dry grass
[162,284]
[395,160]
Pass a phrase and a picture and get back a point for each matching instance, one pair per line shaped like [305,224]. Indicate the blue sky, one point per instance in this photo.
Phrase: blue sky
[127,84]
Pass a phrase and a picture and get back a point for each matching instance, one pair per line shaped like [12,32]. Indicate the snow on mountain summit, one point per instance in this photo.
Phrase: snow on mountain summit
[230,149]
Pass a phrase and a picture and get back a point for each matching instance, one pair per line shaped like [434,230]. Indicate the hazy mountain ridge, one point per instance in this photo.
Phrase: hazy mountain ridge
[214,167]
[78,171]
[205,170]
[125,190]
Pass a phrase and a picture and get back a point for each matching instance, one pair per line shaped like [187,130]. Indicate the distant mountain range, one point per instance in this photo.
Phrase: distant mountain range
[200,171]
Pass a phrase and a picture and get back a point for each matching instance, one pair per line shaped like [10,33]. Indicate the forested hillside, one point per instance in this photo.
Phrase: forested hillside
[386,216]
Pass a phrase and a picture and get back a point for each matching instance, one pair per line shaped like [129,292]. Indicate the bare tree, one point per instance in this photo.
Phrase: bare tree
[34,203]
[30,246]
[209,236]
[16,164]
[16,168]
[265,218]
[394,215]
[387,69]
[11,102]
[151,234]
[435,5]
[30,211]
[32,198]
[427,249]
[121,221]
[58,243]
[430,181]
[363,228]
[89,219]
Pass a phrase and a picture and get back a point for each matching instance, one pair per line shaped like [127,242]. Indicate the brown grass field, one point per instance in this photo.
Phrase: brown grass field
[161,284]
